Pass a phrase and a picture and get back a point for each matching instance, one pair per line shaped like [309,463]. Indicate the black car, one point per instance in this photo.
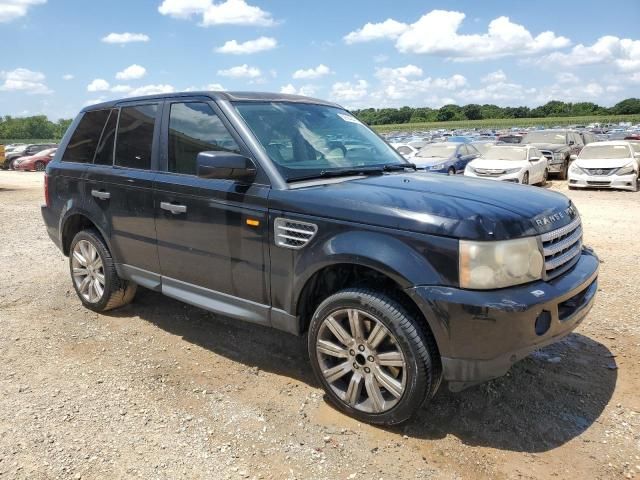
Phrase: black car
[560,147]
[248,205]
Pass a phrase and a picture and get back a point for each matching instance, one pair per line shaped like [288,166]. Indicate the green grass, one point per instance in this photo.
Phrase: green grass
[8,141]
[499,123]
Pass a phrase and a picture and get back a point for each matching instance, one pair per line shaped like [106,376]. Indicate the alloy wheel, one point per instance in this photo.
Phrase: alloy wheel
[88,271]
[361,360]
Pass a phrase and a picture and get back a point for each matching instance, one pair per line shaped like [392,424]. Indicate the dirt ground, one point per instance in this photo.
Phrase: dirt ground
[160,389]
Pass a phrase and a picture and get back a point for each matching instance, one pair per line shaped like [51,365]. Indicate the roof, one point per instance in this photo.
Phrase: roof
[216,95]
[610,142]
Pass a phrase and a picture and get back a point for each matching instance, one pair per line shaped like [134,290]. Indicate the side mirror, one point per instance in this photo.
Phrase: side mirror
[571,142]
[573,157]
[534,159]
[225,166]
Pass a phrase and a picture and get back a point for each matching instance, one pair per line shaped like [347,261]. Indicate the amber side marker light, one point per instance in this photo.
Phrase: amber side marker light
[253,223]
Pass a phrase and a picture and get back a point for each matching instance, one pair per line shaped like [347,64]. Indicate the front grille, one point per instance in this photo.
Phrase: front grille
[485,172]
[597,183]
[292,233]
[548,154]
[562,248]
[600,171]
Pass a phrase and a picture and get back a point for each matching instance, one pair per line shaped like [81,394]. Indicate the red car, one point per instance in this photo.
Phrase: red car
[36,162]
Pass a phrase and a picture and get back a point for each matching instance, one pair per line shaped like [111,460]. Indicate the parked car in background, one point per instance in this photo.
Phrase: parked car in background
[407,151]
[445,157]
[611,164]
[560,147]
[2,154]
[483,145]
[37,162]
[511,163]
[510,138]
[25,151]
[588,137]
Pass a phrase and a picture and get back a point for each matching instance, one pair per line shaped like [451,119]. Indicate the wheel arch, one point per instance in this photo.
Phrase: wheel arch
[75,221]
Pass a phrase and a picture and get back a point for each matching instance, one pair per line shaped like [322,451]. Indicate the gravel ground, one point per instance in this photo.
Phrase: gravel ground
[160,389]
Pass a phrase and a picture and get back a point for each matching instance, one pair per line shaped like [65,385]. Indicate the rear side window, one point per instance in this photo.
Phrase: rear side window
[135,136]
[104,153]
[84,140]
[193,128]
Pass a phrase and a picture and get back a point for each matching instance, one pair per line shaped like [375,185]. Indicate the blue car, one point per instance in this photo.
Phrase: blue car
[445,157]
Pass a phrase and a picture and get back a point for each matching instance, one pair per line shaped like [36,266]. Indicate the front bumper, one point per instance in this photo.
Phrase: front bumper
[510,177]
[480,334]
[555,166]
[622,182]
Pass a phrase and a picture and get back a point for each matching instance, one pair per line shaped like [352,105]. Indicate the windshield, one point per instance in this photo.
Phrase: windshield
[306,140]
[482,147]
[545,137]
[506,153]
[597,152]
[437,150]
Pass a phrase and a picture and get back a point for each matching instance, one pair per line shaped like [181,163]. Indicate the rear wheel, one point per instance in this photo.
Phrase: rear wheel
[40,166]
[545,177]
[372,357]
[12,164]
[94,275]
[525,178]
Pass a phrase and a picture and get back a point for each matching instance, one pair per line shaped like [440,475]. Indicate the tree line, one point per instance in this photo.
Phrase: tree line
[473,111]
[35,127]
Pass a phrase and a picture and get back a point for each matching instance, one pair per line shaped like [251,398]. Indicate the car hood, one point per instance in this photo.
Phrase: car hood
[603,163]
[429,161]
[553,147]
[491,164]
[458,207]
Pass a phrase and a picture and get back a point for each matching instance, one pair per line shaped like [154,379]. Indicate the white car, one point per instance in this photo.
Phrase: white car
[404,149]
[511,163]
[612,164]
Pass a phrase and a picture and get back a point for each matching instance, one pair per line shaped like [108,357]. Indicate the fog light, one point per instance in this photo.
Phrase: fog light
[543,322]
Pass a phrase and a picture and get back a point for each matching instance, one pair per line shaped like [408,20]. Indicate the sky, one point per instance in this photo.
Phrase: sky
[61,55]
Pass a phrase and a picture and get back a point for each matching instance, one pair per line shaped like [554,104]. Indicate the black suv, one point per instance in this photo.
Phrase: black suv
[560,147]
[289,212]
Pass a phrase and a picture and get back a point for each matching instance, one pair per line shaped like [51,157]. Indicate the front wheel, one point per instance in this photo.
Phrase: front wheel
[564,171]
[545,178]
[94,274]
[525,178]
[451,171]
[372,357]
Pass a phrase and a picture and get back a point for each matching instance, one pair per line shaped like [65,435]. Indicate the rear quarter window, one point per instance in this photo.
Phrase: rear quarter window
[83,142]
[135,136]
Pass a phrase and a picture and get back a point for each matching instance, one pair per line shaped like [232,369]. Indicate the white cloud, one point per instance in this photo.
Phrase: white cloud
[407,71]
[241,71]
[151,90]
[125,37]
[348,91]
[251,46]
[13,9]
[98,85]
[373,31]
[121,88]
[436,33]
[67,76]
[93,101]
[228,12]
[493,77]
[132,72]
[24,80]
[208,87]
[567,77]
[406,84]
[306,90]
[623,53]
[317,72]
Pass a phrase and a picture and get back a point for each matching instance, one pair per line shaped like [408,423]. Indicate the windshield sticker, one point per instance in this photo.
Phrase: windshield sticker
[349,118]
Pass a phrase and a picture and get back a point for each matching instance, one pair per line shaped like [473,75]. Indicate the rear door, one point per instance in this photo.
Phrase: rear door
[212,234]
[126,188]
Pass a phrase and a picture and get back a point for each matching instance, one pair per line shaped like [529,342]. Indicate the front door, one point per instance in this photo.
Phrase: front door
[212,234]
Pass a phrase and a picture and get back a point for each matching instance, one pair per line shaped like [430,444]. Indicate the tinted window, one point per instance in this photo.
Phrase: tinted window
[193,128]
[85,138]
[104,153]
[135,136]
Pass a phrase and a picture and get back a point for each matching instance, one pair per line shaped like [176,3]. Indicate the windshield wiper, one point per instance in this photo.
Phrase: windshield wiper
[343,172]
[399,166]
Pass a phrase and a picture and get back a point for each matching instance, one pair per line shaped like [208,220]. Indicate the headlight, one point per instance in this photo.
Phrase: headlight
[575,169]
[558,155]
[512,170]
[437,167]
[489,265]
[627,169]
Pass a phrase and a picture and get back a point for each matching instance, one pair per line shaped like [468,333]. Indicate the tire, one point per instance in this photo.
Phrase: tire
[12,164]
[407,376]
[40,167]
[115,291]
[525,178]
[564,172]
[451,171]
[545,178]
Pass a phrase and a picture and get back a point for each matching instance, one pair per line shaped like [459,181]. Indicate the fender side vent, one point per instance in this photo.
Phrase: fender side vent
[292,233]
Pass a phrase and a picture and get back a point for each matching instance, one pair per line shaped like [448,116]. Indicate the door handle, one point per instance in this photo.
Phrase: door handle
[173,208]
[100,194]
